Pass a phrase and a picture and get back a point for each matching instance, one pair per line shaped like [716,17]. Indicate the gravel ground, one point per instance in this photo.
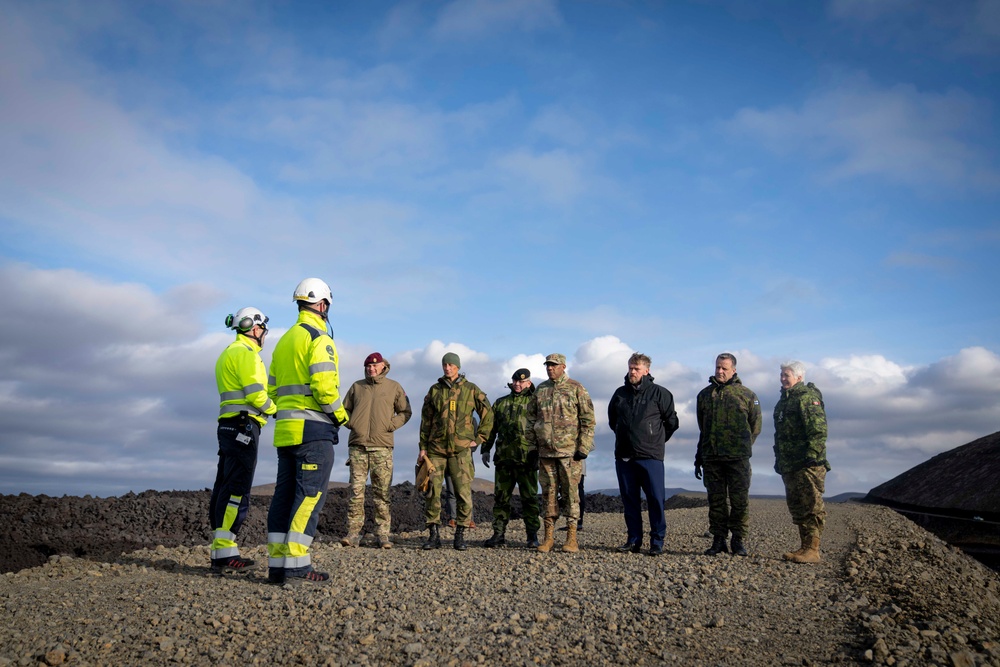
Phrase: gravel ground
[887,593]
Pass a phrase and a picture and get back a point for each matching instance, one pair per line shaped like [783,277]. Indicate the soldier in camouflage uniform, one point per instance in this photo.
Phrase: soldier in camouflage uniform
[561,427]
[800,457]
[448,435]
[729,418]
[516,460]
[378,407]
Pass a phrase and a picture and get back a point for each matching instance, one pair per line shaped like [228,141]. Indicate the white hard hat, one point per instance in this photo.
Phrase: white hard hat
[312,290]
[246,319]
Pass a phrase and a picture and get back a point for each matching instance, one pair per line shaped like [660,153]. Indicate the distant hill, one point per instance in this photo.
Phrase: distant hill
[668,493]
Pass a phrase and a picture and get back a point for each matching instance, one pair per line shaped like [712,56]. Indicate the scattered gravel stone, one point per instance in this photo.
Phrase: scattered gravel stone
[886,593]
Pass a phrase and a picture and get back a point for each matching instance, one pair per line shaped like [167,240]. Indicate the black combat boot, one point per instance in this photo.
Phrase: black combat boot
[498,539]
[718,546]
[433,538]
[532,539]
[736,546]
[459,542]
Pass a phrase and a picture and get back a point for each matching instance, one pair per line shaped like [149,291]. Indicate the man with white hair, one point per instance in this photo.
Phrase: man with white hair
[800,457]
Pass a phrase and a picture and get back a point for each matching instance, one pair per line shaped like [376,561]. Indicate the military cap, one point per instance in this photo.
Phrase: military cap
[451,358]
[555,358]
[521,374]
[373,358]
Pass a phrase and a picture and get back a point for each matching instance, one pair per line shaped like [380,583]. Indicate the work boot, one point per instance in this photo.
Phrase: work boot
[718,546]
[276,576]
[459,542]
[231,564]
[549,541]
[351,540]
[810,553]
[499,539]
[310,577]
[736,546]
[571,546]
[384,542]
[532,539]
[804,538]
[433,540]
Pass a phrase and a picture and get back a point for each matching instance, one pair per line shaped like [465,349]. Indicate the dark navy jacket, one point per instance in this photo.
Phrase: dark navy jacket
[643,419]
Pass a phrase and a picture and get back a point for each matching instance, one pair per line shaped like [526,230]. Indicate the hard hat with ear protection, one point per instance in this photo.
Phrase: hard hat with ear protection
[246,319]
[313,290]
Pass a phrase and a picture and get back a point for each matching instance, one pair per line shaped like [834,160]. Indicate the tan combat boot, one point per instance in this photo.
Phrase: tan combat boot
[549,541]
[571,547]
[804,537]
[810,553]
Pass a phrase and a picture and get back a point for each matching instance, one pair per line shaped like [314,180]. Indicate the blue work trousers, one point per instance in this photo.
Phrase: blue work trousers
[645,476]
[299,495]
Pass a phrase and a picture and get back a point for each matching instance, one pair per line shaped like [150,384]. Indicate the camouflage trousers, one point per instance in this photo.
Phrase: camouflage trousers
[727,484]
[460,469]
[804,495]
[377,462]
[526,478]
[560,480]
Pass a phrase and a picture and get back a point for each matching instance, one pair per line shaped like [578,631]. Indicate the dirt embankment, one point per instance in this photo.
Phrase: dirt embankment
[32,528]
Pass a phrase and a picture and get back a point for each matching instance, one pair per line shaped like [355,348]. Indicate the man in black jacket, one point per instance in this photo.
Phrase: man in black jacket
[641,414]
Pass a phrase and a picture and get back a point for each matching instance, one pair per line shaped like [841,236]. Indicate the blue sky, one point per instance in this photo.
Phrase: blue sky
[502,178]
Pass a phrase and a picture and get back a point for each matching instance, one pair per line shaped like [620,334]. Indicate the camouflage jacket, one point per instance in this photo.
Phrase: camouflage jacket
[510,422]
[561,419]
[446,424]
[729,419]
[799,429]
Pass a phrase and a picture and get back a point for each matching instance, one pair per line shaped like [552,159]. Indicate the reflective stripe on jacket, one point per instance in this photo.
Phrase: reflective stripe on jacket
[304,383]
[242,381]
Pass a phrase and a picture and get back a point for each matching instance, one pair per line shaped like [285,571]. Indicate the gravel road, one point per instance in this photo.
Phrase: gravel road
[886,593]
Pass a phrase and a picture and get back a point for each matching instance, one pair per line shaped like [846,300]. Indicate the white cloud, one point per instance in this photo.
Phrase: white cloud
[558,176]
[899,133]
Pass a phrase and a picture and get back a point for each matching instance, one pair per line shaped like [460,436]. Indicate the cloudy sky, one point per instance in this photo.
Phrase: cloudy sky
[504,179]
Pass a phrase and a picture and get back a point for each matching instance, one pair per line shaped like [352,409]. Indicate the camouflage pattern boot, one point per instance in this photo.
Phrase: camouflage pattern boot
[810,553]
[549,541]
[571,546]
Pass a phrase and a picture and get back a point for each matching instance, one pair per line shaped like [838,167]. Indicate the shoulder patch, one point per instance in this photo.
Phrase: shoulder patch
[329,350]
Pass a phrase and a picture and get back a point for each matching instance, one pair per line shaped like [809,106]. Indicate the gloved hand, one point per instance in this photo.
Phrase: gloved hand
[697,471]
[533,458]
[486,458]
[579,456]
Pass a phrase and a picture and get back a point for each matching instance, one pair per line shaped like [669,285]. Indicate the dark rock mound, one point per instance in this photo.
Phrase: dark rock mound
[963,479]
[32,528]
[954,495]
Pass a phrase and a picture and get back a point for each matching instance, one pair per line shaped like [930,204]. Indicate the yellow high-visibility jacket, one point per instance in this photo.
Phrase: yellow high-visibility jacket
[242,381]
[305,384]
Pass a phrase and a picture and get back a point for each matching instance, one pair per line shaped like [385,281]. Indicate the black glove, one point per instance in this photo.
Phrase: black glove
[533,458]
[486,458]
[697,471]
[579,456]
